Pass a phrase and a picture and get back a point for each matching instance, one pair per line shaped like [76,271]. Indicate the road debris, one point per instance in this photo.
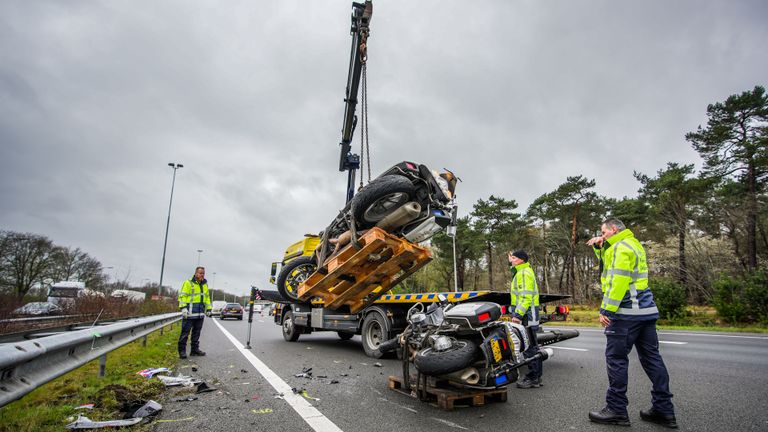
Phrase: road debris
[149,373]
[181,380]
[85,406]
[303,392]
[185,399]
[204,388]
[262,411]
[83,422]
[377,364]
[148,409]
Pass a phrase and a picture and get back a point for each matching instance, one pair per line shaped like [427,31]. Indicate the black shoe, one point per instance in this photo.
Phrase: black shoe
[197,353]
[654,416]
[182,355]
[527,383]
[606,416]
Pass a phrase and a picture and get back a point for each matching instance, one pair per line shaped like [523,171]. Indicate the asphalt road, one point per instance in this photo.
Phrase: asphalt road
[720,383]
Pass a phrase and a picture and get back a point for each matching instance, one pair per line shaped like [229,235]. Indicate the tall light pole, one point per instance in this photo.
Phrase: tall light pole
[175,166]
[199,251]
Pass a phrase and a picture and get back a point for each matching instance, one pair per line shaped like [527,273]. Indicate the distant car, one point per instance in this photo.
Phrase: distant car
[38,309]
[217,306]
[258,308]
[232,310]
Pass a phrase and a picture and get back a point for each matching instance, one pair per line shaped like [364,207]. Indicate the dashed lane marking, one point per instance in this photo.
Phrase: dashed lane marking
[314,418]
[673,342]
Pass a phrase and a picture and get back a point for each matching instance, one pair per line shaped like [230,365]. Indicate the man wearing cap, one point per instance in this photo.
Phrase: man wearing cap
[629,316]
[525,299]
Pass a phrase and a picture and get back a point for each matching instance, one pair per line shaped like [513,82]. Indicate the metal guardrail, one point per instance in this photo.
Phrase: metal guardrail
[26,365]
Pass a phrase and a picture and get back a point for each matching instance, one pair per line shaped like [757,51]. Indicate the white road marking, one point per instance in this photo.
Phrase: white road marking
[566,348]
[314,418]
[673,342]
[451,424]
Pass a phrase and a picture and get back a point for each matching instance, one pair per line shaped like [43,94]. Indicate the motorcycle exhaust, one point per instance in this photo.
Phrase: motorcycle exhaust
[469,376]
[389,345]
[401,216]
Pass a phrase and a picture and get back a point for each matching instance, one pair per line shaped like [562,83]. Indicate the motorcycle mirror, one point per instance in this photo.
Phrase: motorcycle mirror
[443,298]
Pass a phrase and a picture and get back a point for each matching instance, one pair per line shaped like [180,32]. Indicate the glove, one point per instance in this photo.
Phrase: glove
[208,313]
[184,313]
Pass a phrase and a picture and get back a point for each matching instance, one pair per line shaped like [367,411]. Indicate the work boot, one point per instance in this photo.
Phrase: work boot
[182,355]
[654,416]
[197,353]
[606,416]
[527,383]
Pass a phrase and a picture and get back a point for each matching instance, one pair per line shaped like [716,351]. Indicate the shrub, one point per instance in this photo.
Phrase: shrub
[742,300]
[669,297]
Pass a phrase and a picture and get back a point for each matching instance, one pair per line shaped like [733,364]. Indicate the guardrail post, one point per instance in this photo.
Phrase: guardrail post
[144,341]
[102,366]
[161,330]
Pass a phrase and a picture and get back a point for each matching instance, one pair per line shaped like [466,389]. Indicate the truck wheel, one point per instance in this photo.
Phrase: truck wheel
[291,331]
[345,335]
[381,197]
[374,333]
[431,362]
[293,273]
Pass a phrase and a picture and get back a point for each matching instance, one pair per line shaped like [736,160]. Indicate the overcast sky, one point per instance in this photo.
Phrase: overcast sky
[96,98]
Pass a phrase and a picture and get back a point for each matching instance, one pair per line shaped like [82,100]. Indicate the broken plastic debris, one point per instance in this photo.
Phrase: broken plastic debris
[278,396]
[185,399]
[181,380]
[149,409]
[204,388]
[334,382]
[175,420]
[303,392]
[322,376]
[303,375]
[149,373]
[377,364]
[262,411]
[85,406]
[243,371]
[83,422]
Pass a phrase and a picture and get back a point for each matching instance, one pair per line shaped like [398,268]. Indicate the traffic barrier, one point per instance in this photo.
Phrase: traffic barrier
[26,365]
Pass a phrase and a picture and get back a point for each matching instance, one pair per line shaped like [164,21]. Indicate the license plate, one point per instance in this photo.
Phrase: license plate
[496,350]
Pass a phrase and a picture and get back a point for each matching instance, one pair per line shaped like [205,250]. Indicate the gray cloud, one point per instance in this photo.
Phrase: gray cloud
[96,99]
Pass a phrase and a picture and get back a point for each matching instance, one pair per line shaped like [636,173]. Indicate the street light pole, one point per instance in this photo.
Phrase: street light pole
[175,166]
[199,251]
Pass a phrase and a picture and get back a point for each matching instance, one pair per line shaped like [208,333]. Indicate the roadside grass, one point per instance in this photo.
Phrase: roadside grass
[698,318]
[49,407]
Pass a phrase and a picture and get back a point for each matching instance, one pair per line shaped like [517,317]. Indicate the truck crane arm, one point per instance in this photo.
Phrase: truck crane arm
[361,19]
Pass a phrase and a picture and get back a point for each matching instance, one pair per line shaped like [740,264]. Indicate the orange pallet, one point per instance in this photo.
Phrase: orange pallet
[356,278]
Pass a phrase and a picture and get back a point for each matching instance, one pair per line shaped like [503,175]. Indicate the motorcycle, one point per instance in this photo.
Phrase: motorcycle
[465,344]
[408,200]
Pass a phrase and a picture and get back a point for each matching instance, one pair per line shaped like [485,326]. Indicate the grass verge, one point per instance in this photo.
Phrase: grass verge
[47,408]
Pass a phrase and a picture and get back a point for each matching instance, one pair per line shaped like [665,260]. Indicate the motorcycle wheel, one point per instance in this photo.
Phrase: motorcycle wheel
[381,197]
[459,356]
[293,273]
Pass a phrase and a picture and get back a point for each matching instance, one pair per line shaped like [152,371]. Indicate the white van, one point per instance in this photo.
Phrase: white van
[217,306]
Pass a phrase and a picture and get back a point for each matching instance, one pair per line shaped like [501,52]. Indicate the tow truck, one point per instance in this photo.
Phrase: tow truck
[348,293]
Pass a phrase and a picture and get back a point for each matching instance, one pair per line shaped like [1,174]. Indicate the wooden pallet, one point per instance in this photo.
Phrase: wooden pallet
[357,278]
[446,397]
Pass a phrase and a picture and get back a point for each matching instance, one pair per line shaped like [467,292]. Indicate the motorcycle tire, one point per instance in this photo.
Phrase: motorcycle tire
[458,357]
[381,197]
[293,273]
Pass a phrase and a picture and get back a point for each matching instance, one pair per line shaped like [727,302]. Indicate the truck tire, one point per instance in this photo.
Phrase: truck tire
[431,362]
[345,335]
[381,197]
[291,331]
[293,273]
[373,334]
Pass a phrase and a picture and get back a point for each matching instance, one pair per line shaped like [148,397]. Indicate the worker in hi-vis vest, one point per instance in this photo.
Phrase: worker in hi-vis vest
[629,316]
[194,304]
[524,293]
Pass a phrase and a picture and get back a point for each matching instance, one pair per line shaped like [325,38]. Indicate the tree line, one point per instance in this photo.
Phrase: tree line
[699,228]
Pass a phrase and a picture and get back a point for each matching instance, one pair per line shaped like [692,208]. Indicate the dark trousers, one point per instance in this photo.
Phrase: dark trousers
[536,367]
[196,326]
[621,336]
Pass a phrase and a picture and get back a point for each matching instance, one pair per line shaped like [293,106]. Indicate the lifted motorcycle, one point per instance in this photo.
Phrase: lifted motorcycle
[465,344]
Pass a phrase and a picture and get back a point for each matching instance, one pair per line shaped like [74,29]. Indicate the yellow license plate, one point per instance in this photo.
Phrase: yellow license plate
[496,350]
